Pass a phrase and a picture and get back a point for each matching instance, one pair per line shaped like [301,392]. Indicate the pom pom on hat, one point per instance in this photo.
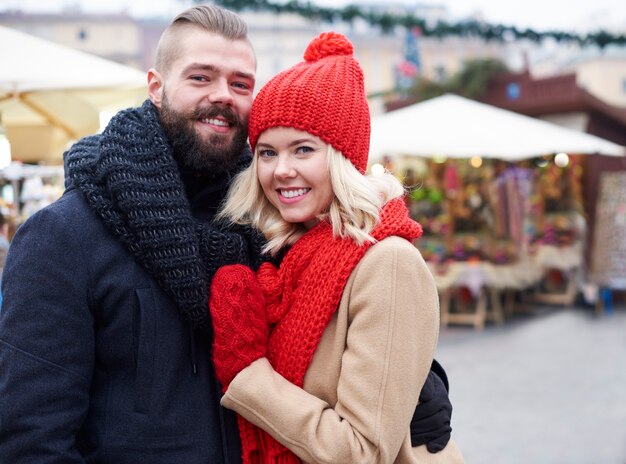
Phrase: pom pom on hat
[328,44]
[323,95]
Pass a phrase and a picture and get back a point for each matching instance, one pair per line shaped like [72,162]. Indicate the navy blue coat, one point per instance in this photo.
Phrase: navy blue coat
[95,361]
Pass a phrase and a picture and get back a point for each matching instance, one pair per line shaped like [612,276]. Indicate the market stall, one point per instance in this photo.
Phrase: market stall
[51,95]
[499,197]
[25,189]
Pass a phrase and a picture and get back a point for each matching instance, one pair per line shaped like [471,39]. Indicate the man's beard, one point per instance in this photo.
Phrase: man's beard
[218,154]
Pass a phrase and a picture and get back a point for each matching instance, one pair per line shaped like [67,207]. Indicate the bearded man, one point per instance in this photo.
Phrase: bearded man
[104,348]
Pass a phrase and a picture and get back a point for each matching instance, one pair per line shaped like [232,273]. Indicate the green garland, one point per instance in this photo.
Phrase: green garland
[387,22]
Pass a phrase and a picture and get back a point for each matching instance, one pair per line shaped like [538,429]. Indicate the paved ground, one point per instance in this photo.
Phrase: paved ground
[546,388]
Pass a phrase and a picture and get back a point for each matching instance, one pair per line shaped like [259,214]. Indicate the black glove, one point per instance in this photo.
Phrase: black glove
[431,420]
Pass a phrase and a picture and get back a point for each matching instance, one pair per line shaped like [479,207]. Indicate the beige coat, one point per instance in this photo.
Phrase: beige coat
[364,381]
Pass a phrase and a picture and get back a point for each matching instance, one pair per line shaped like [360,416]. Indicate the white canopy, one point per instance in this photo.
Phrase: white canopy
[457,127]
[50,94]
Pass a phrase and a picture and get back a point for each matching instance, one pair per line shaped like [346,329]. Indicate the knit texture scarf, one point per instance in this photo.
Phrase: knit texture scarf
[302,296]
[130,179]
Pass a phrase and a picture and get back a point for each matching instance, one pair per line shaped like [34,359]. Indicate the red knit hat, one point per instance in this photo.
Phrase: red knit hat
[324,95]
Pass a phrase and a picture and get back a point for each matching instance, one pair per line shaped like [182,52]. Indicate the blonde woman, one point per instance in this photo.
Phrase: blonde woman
[323,358]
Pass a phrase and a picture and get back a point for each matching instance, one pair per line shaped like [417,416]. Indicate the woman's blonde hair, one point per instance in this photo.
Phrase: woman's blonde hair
[354,210]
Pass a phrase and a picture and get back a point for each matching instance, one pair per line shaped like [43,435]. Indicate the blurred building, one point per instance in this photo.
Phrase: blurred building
[602,75]
[279,41]
[567,99]
[601,72]
[116,37]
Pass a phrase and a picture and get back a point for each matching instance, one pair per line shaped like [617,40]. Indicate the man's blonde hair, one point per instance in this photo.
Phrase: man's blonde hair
[354,210]
[210,18]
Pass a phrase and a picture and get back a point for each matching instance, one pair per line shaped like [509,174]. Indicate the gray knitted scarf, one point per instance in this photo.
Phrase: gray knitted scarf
[130,179]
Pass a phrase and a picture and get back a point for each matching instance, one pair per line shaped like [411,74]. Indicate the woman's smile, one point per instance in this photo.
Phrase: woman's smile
[293,171]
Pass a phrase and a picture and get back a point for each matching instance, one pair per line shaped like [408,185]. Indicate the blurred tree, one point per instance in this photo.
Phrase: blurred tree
[470,82]
[473,79]
[425,89]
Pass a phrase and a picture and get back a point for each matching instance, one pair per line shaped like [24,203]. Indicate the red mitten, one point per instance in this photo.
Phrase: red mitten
[239,321]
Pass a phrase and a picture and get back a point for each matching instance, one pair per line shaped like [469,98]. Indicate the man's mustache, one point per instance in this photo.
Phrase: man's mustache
[214,111]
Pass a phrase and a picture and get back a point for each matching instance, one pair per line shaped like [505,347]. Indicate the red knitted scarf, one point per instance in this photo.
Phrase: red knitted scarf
[302,296]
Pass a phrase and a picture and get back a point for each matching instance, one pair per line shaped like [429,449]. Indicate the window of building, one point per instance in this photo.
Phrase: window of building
[513,91]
